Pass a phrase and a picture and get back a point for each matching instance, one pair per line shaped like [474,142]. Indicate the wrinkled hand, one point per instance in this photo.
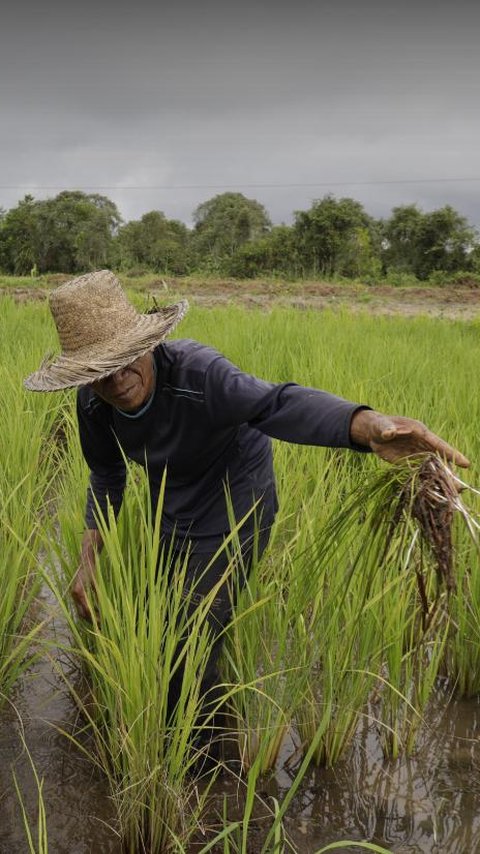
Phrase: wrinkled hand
[83,584]
[393,438]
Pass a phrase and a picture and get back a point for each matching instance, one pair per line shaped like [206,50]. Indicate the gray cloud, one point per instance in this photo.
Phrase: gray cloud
[223,95]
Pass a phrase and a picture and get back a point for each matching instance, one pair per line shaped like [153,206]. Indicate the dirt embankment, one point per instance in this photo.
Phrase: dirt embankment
[454,301]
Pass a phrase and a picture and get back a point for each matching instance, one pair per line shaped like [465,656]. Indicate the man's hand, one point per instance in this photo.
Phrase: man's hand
[84,578]
[394,438]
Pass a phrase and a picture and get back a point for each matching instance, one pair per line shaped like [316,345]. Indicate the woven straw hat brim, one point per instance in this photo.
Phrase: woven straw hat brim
[90,364]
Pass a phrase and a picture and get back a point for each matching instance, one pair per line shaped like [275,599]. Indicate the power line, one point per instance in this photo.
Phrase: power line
[264,186]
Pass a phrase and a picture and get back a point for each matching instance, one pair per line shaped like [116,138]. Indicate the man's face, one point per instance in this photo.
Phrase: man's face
[130,387]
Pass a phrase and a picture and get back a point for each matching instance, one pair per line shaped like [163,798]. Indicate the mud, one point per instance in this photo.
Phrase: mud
[459,302]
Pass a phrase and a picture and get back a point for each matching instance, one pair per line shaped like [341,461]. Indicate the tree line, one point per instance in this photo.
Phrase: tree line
[232,235]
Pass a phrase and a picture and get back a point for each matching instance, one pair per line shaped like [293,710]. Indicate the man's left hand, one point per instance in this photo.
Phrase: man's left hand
[393,438]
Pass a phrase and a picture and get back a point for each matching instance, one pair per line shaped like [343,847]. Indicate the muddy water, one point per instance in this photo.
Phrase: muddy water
[430,803]
[80,815]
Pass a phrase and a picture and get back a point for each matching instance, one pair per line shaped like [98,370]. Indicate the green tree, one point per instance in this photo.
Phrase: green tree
[446,242]
[77,232]
[223,224]
[19,237]
[474,258]
[328,234]
[70,233]
[421,243]
[361,253]
[402,245]
[154,242]
[275,253]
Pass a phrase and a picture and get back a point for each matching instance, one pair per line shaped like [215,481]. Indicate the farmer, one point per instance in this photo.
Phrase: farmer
[183,406]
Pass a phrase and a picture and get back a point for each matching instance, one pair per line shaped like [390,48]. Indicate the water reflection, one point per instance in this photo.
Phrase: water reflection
[427,803]
[80,814]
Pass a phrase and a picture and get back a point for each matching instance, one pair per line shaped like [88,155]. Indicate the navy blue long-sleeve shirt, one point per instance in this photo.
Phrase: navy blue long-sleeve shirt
[210,424]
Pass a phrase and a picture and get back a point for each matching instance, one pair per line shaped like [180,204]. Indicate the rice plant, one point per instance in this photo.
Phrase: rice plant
[462,653]
[26,472]
[402,555]
[37,840]
[335,643]
[260,660]
[146,635]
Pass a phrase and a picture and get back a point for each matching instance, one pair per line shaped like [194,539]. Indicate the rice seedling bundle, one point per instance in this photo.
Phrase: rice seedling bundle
[430,495]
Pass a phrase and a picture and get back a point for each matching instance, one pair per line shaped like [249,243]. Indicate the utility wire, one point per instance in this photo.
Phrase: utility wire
[310,185]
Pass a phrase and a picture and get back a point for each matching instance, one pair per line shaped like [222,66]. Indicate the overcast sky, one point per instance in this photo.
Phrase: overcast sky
[161,106]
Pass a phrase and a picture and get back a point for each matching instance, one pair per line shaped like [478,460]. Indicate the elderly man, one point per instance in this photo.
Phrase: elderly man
[182,406]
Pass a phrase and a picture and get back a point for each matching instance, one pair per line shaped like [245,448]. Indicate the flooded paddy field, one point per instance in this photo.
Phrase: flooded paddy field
[356,717]
[429,802]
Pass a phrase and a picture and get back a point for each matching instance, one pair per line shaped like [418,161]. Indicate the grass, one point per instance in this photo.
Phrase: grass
[27,455]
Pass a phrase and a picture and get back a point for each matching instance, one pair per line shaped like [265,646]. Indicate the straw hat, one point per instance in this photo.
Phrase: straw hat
[99,331]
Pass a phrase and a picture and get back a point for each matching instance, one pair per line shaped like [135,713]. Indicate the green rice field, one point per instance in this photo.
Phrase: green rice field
[353,701]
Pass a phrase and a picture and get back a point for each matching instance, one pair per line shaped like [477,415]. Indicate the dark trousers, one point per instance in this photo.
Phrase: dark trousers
[201,580]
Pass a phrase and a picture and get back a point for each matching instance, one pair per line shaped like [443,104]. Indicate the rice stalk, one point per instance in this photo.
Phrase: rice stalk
[26,472]
[391,548]
[258,659]
[146,633]
[38,842]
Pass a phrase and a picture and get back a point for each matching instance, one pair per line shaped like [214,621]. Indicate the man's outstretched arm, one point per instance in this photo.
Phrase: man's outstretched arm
[393,437]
